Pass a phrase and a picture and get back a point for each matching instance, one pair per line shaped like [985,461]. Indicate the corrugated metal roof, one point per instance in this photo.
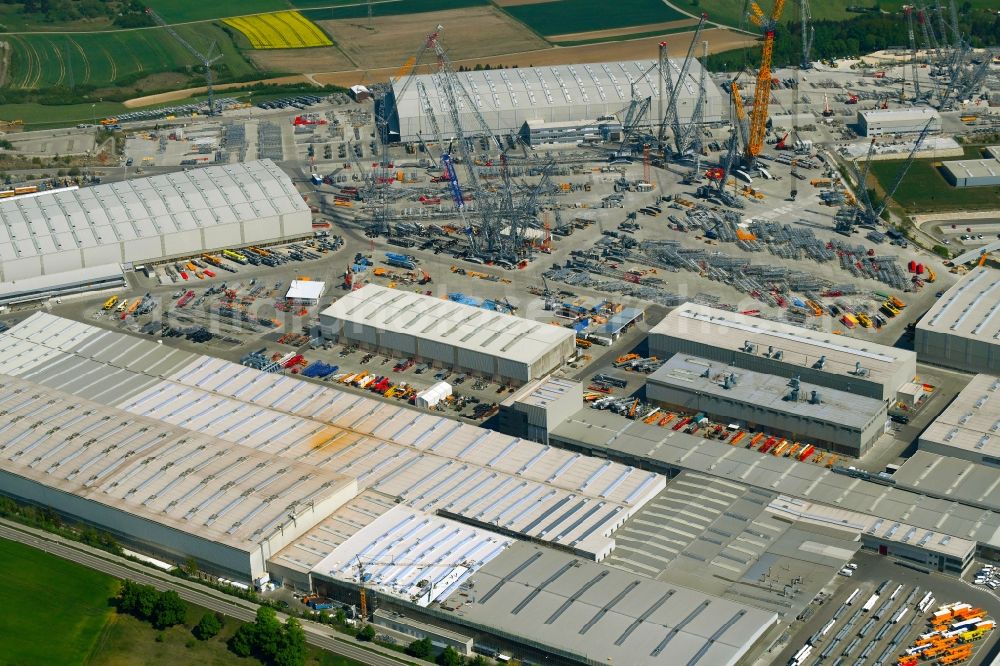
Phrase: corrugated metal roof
[463,326]
[144,208]
[969,309]
[429,462]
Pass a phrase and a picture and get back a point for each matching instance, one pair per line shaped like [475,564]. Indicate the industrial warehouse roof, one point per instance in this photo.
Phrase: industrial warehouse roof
[144,208]
[537,88]
[543,393]
[429,463]
[597,614]
[664,449]
[798,346]
[969,309]
[984,168]
[953,478]
[721,537]
[686,373]
[972,421]
[891,115]
[230,494]
[447,322]
[403,547]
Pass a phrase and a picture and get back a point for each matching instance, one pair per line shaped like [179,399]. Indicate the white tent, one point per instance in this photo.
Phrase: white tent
[306,291]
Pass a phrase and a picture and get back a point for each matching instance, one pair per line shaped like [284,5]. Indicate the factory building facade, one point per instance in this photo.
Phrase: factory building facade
[802,413]
[890,122]
[814,357]
[962,328]
[508,98]
[448,334]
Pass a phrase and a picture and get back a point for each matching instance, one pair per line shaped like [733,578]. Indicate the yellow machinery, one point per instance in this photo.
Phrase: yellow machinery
[762,92]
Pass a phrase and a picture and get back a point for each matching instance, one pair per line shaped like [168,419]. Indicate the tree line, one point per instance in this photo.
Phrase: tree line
[856,36]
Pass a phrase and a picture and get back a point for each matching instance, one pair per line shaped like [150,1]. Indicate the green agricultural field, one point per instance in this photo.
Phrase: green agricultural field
[728,12]
[55,609]
[98,59]
[180,11]
[569,16]
[379,8]
[924,189]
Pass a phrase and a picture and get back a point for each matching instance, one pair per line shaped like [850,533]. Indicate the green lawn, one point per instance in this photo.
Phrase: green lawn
[568,16]
[178,11]
[55,609]
[924,188]
[98,59]
[359,9]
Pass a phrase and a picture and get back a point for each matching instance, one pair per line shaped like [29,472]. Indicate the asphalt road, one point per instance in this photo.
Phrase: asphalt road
[232,607]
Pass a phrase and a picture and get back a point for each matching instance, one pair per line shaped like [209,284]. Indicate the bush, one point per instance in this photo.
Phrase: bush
[942,251]
[169,610]
[421,648]
[209,627]
[366,633]
[450,657]
[270,641]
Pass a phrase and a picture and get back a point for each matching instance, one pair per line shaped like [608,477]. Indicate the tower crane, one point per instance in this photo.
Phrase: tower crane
[206,58]
[808,33]
[762,92]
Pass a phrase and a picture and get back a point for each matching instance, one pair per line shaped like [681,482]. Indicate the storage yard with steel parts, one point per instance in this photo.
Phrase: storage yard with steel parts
[630,361]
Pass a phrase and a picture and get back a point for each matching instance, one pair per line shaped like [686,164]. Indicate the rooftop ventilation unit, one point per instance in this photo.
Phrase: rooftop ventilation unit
[793,395]
[793,382]
[749,347]
[814,398]
[818,365]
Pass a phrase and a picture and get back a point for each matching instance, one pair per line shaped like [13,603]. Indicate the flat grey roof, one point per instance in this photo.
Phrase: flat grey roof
[918,113]
[547,391]
[965,481]
[984,168]
[595,613]
[799,346]
[447,322]
[653,445]
[145,208]
[972,421]
[686,373]
[969,308]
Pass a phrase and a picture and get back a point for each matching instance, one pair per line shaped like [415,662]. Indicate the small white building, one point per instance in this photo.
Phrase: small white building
[305,292]
[887,122]
[430,397]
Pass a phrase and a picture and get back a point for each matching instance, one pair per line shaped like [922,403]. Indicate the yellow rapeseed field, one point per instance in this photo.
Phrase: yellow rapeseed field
[280,30]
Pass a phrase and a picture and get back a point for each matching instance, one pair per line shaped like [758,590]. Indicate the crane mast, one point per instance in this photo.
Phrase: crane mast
[808,33]
[670,119]
[206,60]
[762,91]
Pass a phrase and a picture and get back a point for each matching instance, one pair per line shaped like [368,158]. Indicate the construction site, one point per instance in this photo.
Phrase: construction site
[636,351]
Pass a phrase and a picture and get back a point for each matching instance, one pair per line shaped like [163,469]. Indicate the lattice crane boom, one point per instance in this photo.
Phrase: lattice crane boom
[762,92]
[670,118]
[206,58]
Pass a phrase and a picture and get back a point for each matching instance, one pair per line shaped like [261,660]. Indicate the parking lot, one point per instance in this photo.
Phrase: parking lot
[846,634]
